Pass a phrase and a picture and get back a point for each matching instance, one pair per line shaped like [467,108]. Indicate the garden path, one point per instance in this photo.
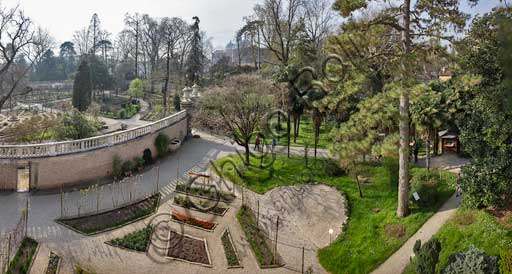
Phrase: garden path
[401,258]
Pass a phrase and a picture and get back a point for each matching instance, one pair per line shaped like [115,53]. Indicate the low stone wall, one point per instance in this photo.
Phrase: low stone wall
[90,163]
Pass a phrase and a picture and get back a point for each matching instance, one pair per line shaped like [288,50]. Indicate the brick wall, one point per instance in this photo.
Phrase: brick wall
[53,172]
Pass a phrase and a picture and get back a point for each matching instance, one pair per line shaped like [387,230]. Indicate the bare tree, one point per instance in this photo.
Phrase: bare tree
[318,21]
[133,24]
[151,43]
[20,40]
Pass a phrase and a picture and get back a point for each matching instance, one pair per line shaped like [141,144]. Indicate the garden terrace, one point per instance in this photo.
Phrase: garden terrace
[68,147]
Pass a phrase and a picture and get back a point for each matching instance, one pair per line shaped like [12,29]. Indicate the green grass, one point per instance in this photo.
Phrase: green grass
[306,134]
[21,262]
[138,240]
[458,234]
[364,244]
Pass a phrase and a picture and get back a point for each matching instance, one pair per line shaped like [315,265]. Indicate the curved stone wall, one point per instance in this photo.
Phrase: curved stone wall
[69,163]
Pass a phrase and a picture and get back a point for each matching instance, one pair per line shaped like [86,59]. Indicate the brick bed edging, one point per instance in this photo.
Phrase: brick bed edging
[34,256]
[234,248]
[59,221]
[196,227]
[58,264]
[193,209]
[109,243]
[190,262]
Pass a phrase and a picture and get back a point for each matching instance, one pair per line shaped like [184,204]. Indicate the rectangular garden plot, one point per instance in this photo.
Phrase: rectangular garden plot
[94,224]
[230,250]
[186,248]
[259,242]
[53,264]
[193,222]
[22,261]
[209,207]
[205,193]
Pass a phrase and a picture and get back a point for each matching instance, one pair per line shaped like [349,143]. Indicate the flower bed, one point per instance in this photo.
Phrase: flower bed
[257,240]
[53,264]
[136,241]
[179,217]
[229,250]
[182,201]
[94,224]
[205,193]
[22,261]
[188,249]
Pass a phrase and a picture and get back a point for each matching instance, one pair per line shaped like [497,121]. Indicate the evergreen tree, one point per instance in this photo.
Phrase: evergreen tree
[82,88]
[195,59]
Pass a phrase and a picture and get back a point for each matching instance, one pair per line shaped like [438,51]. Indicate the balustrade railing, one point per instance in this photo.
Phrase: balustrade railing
[68,147]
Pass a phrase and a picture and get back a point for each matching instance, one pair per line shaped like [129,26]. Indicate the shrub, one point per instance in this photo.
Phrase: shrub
[473,261]
[506,262]
[162,144]
[427,256]
[121,113]
[425,185]
[128,167]
[484,181]
[147,156]
[332,169]
[117,169]
[139,162]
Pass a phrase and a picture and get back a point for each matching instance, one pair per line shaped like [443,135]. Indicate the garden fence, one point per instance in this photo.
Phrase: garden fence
[102,198]
[11,241]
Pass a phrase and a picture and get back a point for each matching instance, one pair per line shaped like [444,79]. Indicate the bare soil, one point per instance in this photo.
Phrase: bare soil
[186,248]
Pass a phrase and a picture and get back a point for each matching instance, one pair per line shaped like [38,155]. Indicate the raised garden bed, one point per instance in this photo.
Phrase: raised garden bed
[205,193]
[136,241]
[230,250]
[185,248]
[182,201]
[106,221]
[260,245]
[185,219]
[22,261]
[53,264]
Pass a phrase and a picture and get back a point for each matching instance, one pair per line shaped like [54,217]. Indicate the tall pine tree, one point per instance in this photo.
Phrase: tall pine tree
[195,59]
[82,88]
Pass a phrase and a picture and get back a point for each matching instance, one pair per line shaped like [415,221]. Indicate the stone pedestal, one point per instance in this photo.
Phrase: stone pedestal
[188,105]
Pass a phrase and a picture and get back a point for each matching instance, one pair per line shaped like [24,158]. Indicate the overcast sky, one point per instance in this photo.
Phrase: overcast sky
[219,18]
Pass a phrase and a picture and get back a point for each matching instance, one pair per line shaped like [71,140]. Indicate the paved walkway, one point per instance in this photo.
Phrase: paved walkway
[401,258]
[290,203]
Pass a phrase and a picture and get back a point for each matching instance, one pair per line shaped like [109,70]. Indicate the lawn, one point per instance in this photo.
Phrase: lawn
[306,134]
[364,244]
[467,228]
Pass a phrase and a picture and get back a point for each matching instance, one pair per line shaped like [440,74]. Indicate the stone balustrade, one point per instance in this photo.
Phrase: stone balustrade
[76,146]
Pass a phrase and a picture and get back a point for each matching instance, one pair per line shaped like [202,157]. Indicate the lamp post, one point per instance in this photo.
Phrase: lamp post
[331,231]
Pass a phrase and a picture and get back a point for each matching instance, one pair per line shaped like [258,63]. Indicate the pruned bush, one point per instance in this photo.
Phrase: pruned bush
[425,185]
[162,144]
[117,169]
[472,261]
[506,262]
[332,169]
[128,167]
[139,162]
[427,256]
[147,156]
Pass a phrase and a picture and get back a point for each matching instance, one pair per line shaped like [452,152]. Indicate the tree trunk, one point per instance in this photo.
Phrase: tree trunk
[289,132]
[427,149]
[403,177]
[167,71]
[436,142]
[247,153]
